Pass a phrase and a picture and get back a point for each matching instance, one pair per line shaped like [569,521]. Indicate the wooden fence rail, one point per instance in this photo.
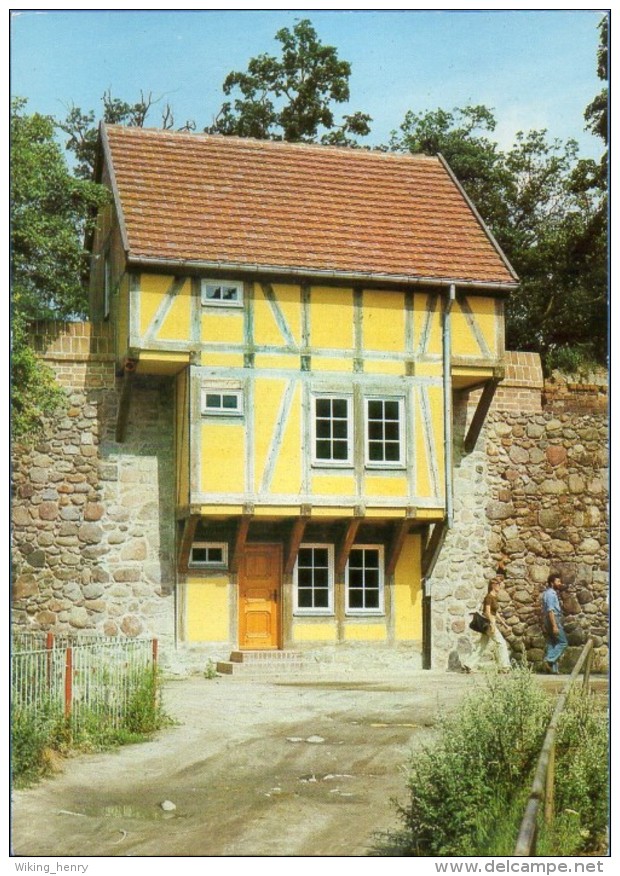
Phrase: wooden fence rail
[544,777]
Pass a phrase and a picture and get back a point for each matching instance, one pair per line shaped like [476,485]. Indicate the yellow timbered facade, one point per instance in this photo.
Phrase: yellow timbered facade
[317,312]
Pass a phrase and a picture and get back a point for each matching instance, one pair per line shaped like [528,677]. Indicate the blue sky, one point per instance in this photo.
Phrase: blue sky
[536,69]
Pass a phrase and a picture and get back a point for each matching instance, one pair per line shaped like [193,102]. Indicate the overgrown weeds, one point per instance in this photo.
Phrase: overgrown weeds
[39,736]
[467,791]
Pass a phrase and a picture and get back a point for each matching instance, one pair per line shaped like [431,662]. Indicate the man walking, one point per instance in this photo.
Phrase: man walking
[555,637]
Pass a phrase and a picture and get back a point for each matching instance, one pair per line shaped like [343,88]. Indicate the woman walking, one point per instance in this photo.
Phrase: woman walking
[492,639]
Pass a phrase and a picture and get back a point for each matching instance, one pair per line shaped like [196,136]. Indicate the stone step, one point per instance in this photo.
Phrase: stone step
[261,669]
[265,657]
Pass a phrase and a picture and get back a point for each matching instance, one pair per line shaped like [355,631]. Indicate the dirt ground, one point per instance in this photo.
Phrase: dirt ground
[293,767]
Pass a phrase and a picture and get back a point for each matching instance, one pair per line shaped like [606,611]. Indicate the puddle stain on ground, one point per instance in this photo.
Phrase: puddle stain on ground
[144,813]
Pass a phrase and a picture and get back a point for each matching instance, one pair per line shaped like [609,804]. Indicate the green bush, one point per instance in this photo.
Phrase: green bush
[458,785]
[33,735]
[467,792]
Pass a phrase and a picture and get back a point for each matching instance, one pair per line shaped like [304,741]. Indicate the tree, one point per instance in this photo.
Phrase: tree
[529,201]
[48,262]
[83,132]
[290,97]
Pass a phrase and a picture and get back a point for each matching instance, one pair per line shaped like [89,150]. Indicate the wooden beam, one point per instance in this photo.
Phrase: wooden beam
[482,409]
[297,534]
[434,544]
[123,405]
[240,540]
[345,547]
[185,546]
[400,533]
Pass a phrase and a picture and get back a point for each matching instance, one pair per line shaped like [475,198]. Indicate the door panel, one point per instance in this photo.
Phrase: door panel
[260,581]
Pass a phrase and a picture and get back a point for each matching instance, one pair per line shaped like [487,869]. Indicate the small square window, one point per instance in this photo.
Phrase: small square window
[209,554]
[221,293]
[222,402]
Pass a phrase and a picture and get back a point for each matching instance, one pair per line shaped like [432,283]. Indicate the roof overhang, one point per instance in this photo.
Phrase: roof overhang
[358,277]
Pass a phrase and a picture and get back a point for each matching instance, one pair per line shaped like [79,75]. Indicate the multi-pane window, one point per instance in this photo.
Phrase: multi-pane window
[205,553]
[314,579]
[222,402]
[224,294]
[332,430]
[364,580]
[384,440]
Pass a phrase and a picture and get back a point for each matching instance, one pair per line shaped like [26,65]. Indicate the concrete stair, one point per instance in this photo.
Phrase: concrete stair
[253,664]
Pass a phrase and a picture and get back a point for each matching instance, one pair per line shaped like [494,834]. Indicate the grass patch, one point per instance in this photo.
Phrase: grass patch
[39,739]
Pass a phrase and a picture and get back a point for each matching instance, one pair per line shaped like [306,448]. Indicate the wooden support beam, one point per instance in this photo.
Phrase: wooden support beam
[123,405]
[345,547]
[401,530]
[297,533]
[433,546]
[240,540]
[187,539]
[482,409]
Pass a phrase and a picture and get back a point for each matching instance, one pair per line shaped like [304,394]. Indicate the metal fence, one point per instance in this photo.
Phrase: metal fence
[544,778]
[80,678]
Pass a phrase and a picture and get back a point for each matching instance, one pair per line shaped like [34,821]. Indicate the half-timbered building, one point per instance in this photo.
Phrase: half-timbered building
[318,310]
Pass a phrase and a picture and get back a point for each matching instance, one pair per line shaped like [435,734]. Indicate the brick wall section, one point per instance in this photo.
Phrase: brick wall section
[80,353]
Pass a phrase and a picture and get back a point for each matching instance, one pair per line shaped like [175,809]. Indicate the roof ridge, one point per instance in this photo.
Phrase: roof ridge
[254,142]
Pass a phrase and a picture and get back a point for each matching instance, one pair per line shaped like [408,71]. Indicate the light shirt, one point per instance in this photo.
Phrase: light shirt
[550,602]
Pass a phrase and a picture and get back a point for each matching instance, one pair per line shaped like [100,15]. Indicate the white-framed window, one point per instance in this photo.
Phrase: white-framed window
[332,430]
[222,402]
[314,579]
[209,554]
[364,580]
[385,432]
[221,293]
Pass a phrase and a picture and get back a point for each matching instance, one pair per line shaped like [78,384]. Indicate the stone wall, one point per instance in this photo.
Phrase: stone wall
[530,499]
[93,536]
[93,520]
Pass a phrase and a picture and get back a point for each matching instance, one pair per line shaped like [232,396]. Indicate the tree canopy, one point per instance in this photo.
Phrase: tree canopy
[290,97]
[49,212]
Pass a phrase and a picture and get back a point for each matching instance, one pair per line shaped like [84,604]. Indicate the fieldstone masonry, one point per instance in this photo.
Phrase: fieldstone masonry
[530,499]
[93,520]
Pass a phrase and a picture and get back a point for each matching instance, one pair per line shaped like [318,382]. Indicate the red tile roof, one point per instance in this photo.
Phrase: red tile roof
[213,199]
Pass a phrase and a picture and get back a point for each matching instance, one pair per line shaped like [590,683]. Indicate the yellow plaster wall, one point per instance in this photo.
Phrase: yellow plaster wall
[268,395]
[333,484]
[382,366]
[287,472]
[122,328]
[435,397]
[207,609]
[331,318]
[176,325]
[215,359]
[277,361]
[311,632]
[153,287]
[379,485]
[365,632]
[407,592]
[327,363]
[222,325]
[383,321]
[266,329]
[223,450]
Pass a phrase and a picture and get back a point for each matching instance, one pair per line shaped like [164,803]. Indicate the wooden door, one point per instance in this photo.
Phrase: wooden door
[260,585]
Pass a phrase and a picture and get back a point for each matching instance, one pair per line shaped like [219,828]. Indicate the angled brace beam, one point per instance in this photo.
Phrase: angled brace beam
[345,547]
[240,540]
[401,530]
[189,531]
[433,547]
[296,536]
[482,409]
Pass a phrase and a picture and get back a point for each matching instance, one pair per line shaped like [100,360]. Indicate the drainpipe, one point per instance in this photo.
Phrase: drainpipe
[447,402]
[447,454]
